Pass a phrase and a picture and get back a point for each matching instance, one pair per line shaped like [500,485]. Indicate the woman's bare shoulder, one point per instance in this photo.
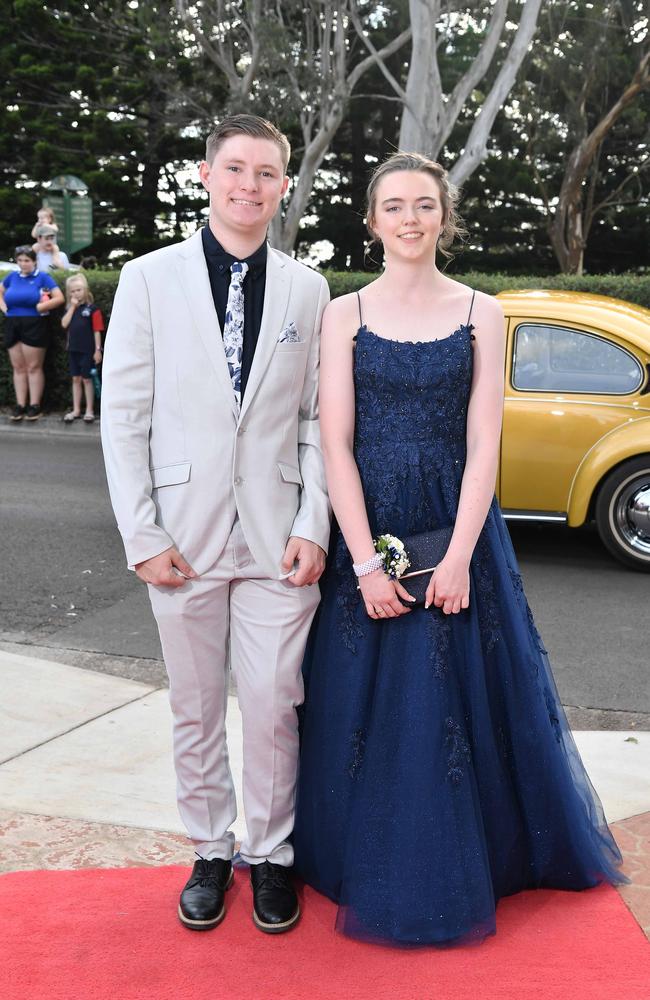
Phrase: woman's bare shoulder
[345,305]
[488,308]
[488,322]
[342,315]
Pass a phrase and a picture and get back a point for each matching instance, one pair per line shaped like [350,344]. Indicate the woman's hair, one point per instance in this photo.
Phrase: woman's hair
[81,278]
[25,251]
[452,224]
[251,125]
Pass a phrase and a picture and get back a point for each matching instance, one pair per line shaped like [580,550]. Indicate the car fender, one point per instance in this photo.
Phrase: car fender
[626,441]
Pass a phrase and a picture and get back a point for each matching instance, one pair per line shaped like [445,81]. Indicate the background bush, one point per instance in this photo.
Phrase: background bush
[58,394]
[634,288]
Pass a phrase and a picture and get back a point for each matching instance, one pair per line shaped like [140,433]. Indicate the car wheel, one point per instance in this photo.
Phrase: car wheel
[623,513]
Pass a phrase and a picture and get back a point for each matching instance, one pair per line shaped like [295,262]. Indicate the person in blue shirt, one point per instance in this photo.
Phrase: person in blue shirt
[84,323]
[26,297]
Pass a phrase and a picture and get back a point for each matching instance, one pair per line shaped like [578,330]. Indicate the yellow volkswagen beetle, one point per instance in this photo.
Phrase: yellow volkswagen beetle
[576,430]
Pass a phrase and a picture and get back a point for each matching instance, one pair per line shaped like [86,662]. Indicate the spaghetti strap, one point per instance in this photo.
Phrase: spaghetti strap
[471,306]
[360,313]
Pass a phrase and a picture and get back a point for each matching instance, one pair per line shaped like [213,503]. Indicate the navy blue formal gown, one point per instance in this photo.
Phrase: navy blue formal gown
[438,772]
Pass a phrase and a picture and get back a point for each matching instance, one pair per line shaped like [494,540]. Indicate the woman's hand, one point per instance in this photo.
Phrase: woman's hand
[449,586]
[97,356]
[380,594]
[54,300]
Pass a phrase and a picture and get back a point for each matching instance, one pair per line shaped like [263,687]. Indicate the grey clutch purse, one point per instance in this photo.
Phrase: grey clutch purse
[424,551]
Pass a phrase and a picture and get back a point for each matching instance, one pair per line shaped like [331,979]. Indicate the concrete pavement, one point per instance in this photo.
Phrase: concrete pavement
[89,746]
[49,423]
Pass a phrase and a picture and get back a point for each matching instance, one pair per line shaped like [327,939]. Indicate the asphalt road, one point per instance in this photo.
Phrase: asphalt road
[66,593]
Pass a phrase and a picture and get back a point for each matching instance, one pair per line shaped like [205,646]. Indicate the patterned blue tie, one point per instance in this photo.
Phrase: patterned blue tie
[233,329]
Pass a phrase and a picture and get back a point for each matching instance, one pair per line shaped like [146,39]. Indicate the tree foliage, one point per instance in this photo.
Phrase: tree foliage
[122,93]
[585,109]
[106,92]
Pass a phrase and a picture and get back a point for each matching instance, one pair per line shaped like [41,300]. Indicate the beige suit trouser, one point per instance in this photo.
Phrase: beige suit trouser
[264,623]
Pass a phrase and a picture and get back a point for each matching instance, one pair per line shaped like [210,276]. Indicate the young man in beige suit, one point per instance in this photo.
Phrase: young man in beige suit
[212,450]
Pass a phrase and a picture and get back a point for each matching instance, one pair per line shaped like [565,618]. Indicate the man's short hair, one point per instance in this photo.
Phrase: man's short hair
[252,125]
[46,231]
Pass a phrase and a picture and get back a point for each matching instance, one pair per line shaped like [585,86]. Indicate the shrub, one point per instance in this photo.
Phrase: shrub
[634,288]
[58,395]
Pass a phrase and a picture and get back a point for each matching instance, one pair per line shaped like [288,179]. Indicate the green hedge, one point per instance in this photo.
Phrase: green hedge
[58,395]
[634,288]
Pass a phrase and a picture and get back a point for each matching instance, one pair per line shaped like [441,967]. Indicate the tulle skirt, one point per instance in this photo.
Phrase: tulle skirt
[438,772]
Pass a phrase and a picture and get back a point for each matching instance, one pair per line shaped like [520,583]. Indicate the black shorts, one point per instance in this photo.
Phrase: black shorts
[80,363]
[33,331]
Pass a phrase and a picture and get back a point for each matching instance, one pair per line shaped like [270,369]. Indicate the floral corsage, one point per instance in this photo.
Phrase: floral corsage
[393,555]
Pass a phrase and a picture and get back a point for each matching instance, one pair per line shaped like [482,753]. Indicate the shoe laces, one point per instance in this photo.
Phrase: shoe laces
[273,879]
[208,872]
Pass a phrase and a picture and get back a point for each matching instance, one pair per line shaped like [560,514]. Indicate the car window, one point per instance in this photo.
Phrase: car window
[559,359]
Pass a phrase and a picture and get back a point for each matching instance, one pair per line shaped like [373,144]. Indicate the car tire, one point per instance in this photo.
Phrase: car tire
[623,513]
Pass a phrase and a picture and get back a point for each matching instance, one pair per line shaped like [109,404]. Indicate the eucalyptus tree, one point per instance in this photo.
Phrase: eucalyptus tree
[296,62]
[440,87]
[587,118]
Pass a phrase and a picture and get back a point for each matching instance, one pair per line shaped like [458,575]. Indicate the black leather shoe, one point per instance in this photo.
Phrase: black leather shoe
[275,904]
[202,904]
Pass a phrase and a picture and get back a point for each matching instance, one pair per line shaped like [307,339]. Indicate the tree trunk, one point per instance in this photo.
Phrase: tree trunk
[148,205]
[423,106]
[334,99]
[283,232]
[476,148]
[566,235]
[568,224]
[429,117]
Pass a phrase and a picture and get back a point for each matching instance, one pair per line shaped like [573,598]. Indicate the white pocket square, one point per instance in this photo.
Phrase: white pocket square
[289,335]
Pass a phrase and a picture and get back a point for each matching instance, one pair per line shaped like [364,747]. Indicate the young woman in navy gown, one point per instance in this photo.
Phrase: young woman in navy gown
[438,772]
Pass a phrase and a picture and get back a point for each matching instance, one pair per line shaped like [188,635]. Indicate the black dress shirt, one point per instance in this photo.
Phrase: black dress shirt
[219,262]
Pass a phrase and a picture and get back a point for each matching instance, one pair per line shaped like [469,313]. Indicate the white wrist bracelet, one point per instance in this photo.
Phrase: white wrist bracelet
[369,566]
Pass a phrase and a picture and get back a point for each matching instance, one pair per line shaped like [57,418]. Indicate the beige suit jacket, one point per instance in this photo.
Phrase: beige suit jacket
[180,461]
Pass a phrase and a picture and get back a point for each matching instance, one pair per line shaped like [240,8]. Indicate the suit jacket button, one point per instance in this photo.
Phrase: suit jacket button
[240,431]
[238,480]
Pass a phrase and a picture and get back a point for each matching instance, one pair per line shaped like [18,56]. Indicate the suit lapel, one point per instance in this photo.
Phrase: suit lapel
[276,301]
[196,287]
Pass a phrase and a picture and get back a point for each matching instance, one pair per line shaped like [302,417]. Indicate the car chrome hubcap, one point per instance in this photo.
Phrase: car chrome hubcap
[632,513]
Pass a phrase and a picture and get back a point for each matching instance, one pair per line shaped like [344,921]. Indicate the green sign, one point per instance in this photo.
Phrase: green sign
[81,223]
[68,182]
[74,217]
[57,204]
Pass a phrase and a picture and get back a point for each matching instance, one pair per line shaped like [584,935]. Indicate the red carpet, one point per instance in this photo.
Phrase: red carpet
[113,935]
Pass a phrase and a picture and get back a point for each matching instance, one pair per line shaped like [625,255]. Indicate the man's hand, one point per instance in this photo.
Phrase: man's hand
[310,558]
[167,569]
